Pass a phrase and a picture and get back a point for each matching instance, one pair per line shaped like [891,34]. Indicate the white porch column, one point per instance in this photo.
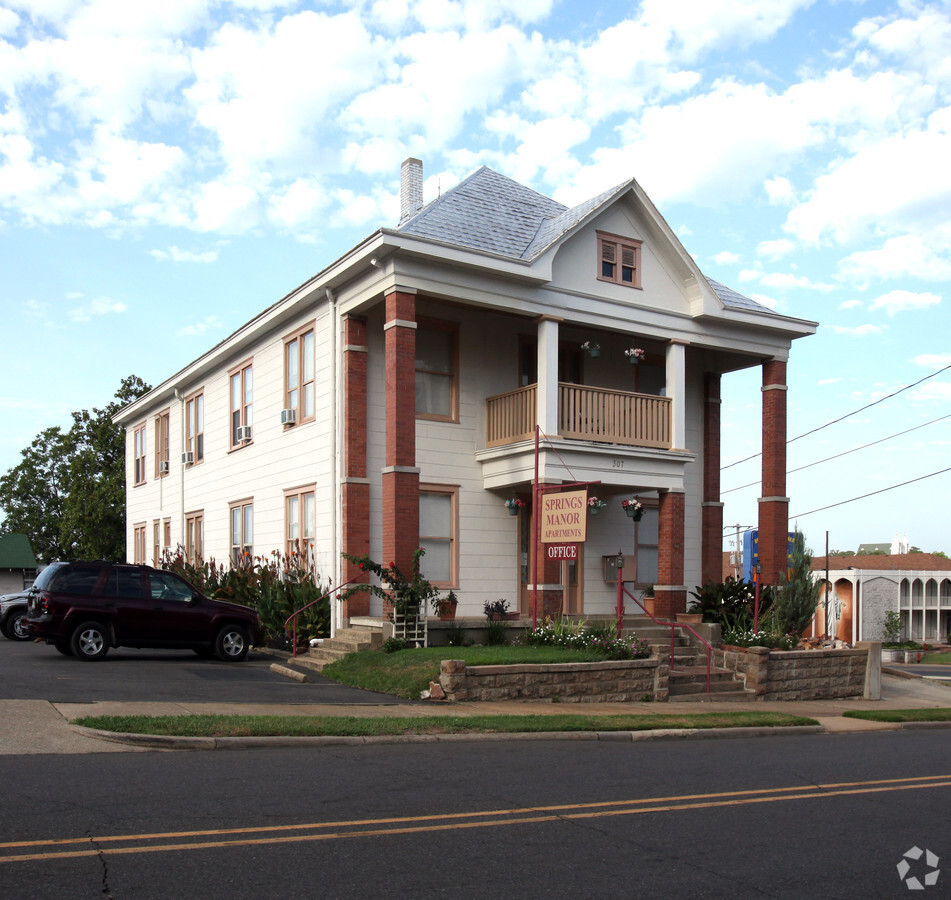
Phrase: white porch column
[677,391]
[547,410]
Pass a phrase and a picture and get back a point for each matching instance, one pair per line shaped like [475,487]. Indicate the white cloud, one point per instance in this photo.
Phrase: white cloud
[175,254]
[898,301]
[726,258]
[912,190]
[228,207]
[9,21]
[933,390]
[773,250]
[780,191]
[197,329]
[101,306]
[851,304]
[786,280]
[908,255]
[933,360]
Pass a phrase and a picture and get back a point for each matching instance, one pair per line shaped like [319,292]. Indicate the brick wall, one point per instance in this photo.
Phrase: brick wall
[797,674]
[594,682]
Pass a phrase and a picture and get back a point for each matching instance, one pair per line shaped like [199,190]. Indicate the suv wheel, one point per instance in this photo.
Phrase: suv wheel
[16,627]
[89,641]
[231,644]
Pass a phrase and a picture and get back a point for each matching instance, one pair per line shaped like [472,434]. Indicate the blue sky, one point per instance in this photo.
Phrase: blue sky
[167,170]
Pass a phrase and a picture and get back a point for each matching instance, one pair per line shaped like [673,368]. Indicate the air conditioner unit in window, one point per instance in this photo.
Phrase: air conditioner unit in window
[288,416]
[244,434]
[188,458]
[163,467]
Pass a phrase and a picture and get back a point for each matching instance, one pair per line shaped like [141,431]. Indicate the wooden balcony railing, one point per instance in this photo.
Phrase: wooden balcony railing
[585,414]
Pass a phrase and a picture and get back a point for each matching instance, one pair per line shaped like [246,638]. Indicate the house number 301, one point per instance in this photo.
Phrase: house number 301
[617,463]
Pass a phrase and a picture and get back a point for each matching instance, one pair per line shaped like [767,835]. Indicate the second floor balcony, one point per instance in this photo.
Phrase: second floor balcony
[584,414]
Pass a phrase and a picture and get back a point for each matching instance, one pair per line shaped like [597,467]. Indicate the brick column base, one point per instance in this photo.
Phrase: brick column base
[668,603]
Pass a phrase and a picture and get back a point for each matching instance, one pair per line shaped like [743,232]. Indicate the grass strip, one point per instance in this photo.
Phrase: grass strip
[341,726]
[936,659]
[407,672]
[900,715]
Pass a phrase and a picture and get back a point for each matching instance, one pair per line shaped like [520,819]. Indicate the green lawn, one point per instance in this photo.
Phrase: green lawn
[937,659]
[900,715]
[305,726]
[407,672]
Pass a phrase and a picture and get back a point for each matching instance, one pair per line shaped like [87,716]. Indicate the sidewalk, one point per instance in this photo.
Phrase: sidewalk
[35,726]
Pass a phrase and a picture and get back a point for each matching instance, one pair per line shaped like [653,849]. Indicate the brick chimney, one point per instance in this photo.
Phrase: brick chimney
[411,188]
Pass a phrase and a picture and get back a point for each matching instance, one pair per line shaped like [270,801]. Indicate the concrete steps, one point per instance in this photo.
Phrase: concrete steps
[345,641]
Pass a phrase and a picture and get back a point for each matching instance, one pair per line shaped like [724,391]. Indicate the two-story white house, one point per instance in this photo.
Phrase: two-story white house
[396,399]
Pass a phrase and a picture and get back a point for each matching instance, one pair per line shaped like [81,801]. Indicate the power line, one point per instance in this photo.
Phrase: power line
[846,416]
[872,494]
[844,452]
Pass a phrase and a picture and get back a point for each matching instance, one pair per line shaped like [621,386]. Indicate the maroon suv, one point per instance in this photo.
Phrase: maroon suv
[84,608]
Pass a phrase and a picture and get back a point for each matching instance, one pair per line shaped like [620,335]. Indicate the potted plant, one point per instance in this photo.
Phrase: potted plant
[445,607]
[595,505]
[633,508]
[498,610]
[634,355]
[593,348]
[514,505]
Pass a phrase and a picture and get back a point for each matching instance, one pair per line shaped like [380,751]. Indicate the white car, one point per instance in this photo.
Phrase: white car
[13,616]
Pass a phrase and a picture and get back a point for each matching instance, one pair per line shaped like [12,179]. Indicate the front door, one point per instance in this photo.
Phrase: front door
[563,592]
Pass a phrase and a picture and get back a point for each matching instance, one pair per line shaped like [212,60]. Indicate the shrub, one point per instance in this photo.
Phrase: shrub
[578,636]
[394,645]
[731,603]
[276,586]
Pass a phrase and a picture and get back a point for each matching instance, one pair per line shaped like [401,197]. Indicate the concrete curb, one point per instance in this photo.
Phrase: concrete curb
[171,742]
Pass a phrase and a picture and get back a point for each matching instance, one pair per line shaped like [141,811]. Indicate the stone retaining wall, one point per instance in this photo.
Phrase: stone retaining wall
[798,674]
[583,682]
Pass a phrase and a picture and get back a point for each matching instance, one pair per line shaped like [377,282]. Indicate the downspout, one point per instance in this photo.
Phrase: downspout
[335,478]
[180,397]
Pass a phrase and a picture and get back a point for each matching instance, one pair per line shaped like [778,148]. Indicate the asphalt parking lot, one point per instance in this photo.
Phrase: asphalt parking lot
[30,671]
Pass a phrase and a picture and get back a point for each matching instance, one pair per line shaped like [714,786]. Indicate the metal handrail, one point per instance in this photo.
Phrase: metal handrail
[294,615]
[650,615]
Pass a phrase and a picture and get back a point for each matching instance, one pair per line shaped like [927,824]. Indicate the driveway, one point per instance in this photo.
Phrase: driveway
[31,671]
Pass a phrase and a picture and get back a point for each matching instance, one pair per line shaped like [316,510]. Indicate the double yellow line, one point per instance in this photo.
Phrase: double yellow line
[170,842]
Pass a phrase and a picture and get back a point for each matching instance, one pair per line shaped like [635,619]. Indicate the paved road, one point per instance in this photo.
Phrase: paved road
[802,816]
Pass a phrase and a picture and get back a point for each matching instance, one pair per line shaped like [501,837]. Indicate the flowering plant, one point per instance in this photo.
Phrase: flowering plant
[632,506]
[635,354]
[594,501]
[590,345]
[515,503]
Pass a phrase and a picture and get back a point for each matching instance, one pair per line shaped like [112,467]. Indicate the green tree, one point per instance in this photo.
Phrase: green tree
[32,492]
[797,597]
[68,492]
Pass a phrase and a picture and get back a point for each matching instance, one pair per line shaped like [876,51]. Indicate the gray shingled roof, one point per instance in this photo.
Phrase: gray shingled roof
[490,212]
[486,211]
[735,299]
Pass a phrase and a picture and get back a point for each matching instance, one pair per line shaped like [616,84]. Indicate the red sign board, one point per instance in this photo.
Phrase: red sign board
[561,551]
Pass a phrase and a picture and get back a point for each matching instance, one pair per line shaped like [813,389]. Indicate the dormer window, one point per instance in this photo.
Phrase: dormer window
[619,260]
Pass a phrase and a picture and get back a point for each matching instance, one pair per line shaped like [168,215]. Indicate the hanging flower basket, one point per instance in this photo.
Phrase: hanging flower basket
[514,505]
[595,505]
[634,509]
[635,355]
[593,348]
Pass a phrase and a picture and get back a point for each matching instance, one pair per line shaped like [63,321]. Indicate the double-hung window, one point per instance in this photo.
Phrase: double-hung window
[619,259]
[437,376]
[437,533]
[299,386]
[300,516]
[139,441]
[161,444]
[138,548]
[195,428]
[241,385]
[195,537]
[242,531]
